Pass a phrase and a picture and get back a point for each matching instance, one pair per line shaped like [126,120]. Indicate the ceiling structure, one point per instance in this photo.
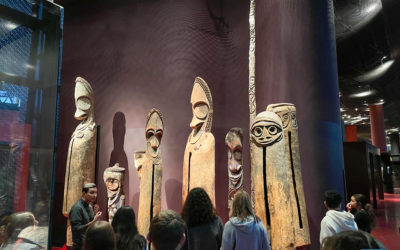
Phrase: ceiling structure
[368,51]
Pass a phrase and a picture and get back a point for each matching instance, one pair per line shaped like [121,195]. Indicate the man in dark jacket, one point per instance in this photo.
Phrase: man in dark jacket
[81,214]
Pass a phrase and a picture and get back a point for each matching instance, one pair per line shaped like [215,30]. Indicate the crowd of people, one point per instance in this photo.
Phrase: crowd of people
[197,227]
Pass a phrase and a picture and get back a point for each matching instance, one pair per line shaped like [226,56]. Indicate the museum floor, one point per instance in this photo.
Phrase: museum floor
[388,221]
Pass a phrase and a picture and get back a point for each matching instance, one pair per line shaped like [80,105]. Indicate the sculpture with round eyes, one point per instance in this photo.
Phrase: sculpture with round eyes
[114,179]
[149,166]
[287,113]
[81,157]
[270,185]
[199,157]
[234,141]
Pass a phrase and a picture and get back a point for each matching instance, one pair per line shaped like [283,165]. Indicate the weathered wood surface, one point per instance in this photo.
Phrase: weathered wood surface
[199,157]
[234,142]
[149,166]
[114,180]
[287,113]
[269,162]
[81,158]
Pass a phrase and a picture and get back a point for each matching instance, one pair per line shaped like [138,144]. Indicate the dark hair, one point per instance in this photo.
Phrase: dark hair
[166,230]
[125,229]
[332,199]
[17,222]
[99,236]
[88,186]
[198,208]
[350,240]
[364,203]
[241,206]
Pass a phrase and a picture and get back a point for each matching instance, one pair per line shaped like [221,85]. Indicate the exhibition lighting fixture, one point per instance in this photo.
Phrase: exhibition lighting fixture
[374,7]
[10,25]
[363,93]
[375,73]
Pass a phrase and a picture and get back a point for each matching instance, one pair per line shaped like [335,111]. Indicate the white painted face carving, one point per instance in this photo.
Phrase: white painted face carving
[266,129]
[83,99]
[154,133]
[113,178]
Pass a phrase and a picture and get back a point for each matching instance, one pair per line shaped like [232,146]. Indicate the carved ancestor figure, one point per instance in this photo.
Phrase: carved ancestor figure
[271,186]
[81,158]
[149,166]
[114,180]
[234,141]
[287,113]
[199,158]
[270,177]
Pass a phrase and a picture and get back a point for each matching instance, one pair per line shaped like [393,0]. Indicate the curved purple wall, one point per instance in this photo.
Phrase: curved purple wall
[143,54]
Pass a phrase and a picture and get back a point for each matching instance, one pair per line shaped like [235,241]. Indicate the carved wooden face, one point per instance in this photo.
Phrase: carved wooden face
[287,113]
[234,159]
[154,133]
[200,107]
[112,187]
[83,100]
[266,129]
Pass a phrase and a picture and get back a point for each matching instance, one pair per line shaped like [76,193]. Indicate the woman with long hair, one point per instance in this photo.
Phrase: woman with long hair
[363,213]
[126,231]
[244,230]
[204,226]
[99,236]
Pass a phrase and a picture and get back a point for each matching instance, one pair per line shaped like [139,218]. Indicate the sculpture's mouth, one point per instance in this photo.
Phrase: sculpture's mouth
[235,175]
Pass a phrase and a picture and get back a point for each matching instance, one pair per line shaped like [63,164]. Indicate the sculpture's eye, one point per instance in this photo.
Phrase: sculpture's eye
[83,103]
[238,155]
[200,110]
[149,133]
[273,130]
[285,117]
[257,131]
[159,135]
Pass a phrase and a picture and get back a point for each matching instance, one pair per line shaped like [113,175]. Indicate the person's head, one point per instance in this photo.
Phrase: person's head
[350,240]
[167,230]
[89,192]
[358,201]
[19,221]
[241,206]
[124,221]
[3,228]
[99,236]
[198,208]
[333,200]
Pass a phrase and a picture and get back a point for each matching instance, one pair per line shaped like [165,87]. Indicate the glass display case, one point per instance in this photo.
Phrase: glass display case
[30,61]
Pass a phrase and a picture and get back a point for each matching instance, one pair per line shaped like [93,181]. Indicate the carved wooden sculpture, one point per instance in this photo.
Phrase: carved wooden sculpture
[114,180]
[234,141]
[272,189]
[149,166]
[287,113]
[199,158]
[81,158]
[270,180]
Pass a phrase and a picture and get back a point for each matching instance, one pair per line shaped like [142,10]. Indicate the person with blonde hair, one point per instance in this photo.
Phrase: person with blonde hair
[244,230]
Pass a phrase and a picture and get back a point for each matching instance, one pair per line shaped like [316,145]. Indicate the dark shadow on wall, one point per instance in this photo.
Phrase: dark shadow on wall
[173,189]
[118,154]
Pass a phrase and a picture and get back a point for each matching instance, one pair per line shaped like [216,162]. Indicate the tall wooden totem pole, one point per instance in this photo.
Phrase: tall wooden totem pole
[149,166]
[287,113]
[199,158]
[81,158]
[270,186]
